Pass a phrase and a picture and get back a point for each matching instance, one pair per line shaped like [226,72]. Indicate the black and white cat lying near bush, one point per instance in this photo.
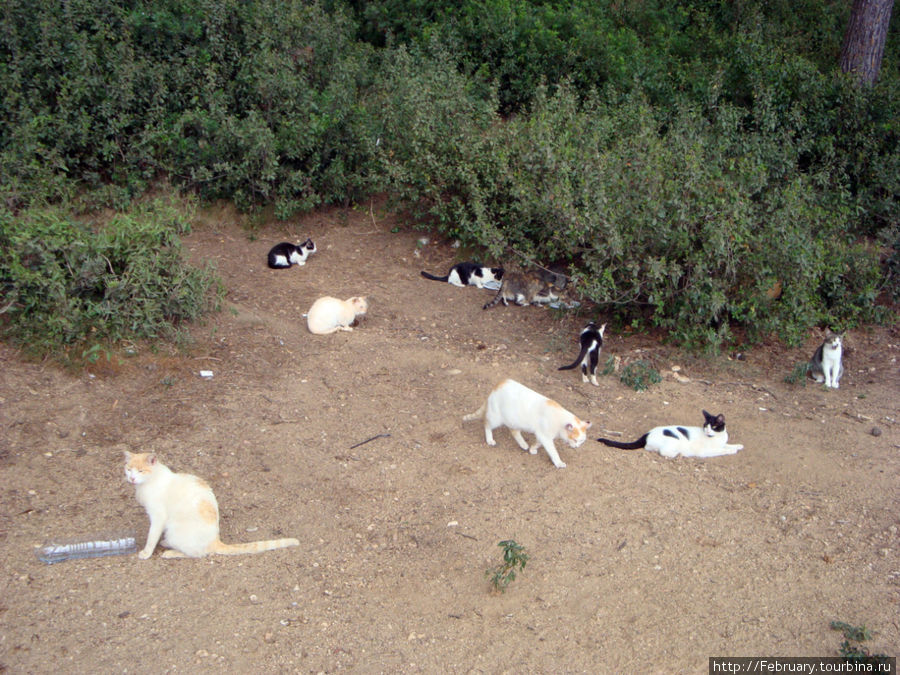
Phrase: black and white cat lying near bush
[468,274]
[285,254]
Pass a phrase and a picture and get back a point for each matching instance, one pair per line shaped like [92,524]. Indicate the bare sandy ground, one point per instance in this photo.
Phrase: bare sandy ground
[637,563]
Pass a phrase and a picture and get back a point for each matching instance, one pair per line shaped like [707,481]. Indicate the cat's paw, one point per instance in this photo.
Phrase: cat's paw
[594,382]
[560,465]
[143,555]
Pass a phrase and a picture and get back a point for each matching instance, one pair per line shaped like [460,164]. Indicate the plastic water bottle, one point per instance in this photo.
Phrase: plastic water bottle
[59,550]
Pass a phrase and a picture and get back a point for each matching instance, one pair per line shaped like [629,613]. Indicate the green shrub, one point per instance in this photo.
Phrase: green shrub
[67,283]
[688,223]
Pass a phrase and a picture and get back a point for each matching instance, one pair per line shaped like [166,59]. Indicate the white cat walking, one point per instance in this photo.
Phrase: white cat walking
[825,365]
[329,315]
[521,409]
[183,512]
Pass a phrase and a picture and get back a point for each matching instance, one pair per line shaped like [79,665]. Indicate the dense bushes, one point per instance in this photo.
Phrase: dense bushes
[67,283]
[255,102]
[697,164]
[692,228]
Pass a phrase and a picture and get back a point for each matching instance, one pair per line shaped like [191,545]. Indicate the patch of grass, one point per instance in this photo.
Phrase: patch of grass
[639,375]
[853,652]
[610,366]
[514,557]
[798,374]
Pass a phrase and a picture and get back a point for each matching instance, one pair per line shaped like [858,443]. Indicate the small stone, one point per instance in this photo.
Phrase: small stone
[876,431]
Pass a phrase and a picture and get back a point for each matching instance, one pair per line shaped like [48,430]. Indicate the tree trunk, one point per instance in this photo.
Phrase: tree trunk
[864,39]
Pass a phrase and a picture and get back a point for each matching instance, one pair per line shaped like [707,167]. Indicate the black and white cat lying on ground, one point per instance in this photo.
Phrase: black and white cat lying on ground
[709,441]
[825,365]
[468,274]
[285,254]
[591,340]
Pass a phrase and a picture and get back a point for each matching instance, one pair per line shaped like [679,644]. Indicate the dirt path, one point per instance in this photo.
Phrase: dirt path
[638,564]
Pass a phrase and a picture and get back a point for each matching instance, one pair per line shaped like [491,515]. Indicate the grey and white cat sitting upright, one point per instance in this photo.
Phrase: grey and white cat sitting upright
[468,274]
[825,365]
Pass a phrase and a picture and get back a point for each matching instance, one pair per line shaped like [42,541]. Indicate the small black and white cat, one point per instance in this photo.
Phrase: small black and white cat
[591,339]
[709,441]
[468,274]
[285,254]
[825,365]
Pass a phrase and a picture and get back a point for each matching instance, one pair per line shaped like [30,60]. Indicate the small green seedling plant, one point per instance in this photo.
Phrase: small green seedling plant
[514,557]
[850,649]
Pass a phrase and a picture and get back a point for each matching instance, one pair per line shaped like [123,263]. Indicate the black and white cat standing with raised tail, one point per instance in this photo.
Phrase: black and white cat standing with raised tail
[468,274]
[285,254]
[591,340]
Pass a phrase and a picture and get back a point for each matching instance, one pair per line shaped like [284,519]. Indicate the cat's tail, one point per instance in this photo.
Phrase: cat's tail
[496,301]
[432,277]
[251,547]
[584,349]
[634,445]
[477,415]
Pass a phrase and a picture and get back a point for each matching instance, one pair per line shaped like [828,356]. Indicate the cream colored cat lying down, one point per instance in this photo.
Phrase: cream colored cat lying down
[328,315]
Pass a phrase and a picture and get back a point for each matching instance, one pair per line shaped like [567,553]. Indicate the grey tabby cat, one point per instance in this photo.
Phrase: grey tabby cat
[526,288]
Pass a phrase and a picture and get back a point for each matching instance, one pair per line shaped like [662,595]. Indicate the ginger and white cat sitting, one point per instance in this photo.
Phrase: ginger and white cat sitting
[521,409]
[183,512]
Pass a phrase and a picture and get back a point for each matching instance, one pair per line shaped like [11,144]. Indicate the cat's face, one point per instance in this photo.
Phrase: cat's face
[714,424]
[138,467]
[360,305]
[309,246]
[497,272]
[576,432]
[833,340]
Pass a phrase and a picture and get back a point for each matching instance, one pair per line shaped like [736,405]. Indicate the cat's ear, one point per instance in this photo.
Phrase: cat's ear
[707,416]
[151,459]
[587,425]
[602,328]
[127,455]
[570,426]
[720,419]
